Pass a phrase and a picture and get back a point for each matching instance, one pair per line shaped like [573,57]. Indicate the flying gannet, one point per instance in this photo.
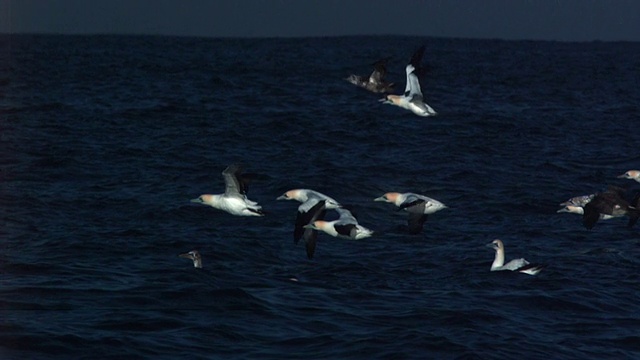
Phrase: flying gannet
[345,227]
[418,206]
[412,99]
[234,200]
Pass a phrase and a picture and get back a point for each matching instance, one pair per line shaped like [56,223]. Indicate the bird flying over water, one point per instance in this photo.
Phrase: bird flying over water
[345,227]
[412,99]
[234,200]
[418,206]
[309,199]
[375,82]
[612,203]
[313,207]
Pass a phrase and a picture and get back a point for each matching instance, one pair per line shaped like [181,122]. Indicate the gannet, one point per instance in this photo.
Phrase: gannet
[631,174]
[234,200]
[574,209]
[309,199]
[610,202]
[412,98]
[194,255]
[345,227]
[418,206]
[520,265]
[578,200]
[375,82]
[576,204]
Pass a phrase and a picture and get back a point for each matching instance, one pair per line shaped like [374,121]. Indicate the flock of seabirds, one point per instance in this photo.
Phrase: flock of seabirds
[310,219]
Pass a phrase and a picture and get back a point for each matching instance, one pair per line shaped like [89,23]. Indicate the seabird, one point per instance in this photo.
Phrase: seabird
[412,98]
[304,195]
[309,199]
[631,174]
[375,82]
[578,200]
[574,209]
[234,200]
[520,265]
[345,227]
[576,204]
[418,206]
[612,203]
[194,255]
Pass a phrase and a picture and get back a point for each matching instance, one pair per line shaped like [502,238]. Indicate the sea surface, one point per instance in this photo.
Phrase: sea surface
[105,139]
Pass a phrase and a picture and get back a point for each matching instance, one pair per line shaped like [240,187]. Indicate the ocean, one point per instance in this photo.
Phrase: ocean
[105,139]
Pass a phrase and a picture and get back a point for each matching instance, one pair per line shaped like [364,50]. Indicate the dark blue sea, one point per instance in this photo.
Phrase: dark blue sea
[105,139]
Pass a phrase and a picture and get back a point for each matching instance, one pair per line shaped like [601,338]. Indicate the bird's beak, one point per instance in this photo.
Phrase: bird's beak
[197,200]
[491,245]
[309,226]
[381,198]
[622,176]
[282,197]
[186,256]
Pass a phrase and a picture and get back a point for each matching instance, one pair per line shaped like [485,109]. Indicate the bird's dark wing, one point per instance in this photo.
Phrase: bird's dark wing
[591,215]
[317,212]
[416,222]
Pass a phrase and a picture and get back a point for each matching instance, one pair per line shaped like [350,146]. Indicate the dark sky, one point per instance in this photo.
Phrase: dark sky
[566,20]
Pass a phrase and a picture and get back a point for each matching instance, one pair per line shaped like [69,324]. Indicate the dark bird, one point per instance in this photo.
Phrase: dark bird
[610,202]
[375,82]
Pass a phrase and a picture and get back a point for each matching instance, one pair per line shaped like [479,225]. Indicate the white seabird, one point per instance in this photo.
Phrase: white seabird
[309,199]
[520,265]
[234,200]
[345,227]
[418,206]
[631,174]
[194,255]
[412,99]
[375,82]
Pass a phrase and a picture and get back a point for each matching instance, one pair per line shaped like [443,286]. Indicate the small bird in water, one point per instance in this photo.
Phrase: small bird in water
[631,174]
[412,99]
[234,200]
[375,82]
[418,206]
[519,265]
[194,255]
